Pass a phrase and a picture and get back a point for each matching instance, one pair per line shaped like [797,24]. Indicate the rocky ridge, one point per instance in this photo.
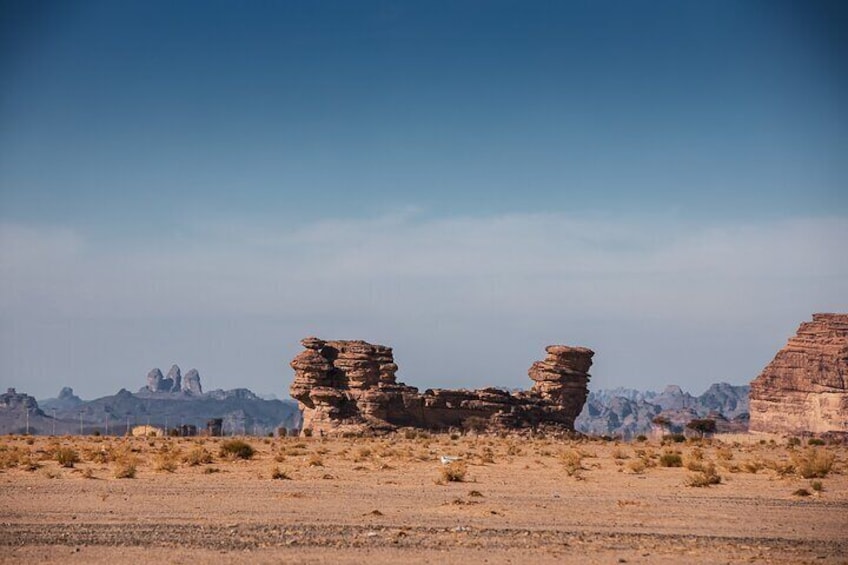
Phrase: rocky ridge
[804,389]
[627,412]
[351,386]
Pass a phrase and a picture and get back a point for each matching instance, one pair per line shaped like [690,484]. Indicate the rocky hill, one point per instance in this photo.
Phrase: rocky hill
[163,405]
[628,413]
[805,387]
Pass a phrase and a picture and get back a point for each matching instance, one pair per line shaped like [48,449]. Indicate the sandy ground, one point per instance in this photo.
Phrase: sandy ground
[387,500]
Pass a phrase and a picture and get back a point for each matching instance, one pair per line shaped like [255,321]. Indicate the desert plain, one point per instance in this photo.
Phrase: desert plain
[414,497]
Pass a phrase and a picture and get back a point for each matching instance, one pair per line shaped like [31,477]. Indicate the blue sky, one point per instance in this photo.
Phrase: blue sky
[207,182]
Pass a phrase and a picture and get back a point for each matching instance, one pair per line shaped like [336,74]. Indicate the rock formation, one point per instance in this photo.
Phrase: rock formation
[174,382]
[175,378]
[154,380]
[350,386]
[805,387]
[191,382]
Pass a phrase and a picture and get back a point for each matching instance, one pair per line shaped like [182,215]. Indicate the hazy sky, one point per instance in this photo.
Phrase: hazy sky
[205,183]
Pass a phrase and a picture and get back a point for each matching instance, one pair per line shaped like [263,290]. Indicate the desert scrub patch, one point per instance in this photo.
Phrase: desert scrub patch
[167,461]
[236,449]
[279,474]
[198,455]
[315,460]
[125,463]
[67,457]
[619,453]
[813,463]
[453,472]
[11,456]
[671,459]
[706,476]
[637,466]
[572,462]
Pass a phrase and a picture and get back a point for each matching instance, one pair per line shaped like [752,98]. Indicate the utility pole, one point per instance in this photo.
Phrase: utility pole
[27,421]
[54,421]
[80,422]
[107,423]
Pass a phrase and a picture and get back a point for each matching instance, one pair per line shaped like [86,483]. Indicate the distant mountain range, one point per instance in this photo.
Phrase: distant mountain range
[169,402]
[627,413]
[242,411]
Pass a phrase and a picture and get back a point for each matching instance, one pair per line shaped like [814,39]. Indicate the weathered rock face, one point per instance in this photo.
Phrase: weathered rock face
[154,380]
[350,386]
[176,379]
[805,387]
[174,383]
[191,382]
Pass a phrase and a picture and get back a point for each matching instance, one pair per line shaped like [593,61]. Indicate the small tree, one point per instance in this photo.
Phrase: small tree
[702,426]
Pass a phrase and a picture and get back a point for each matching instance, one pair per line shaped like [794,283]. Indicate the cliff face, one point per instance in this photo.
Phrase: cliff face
[805,387]
[350,386]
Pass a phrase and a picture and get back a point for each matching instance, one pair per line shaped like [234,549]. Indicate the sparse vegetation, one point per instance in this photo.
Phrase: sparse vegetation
[236,449]
[198,455]
[278,474]
[67,457]
[707,475]
[671,459]
[814,463]
[454,472]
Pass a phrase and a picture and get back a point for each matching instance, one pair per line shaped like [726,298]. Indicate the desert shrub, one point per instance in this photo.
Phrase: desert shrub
[211,470]
[815,441]
[801,492]
[572,461]
[362,454]
[125,462]
[619,453]
[198,456]
[315,460]
[674,438]
[454,472]
[167,461]
[817,486]
[278,474]
[705,477]
[307,432]
[725,454]
[671,459]
[793,441]
[12,456]
[237,449]
[814,463]
[641,438]
[67,457]
[88,473]
[637,466]
[125,468]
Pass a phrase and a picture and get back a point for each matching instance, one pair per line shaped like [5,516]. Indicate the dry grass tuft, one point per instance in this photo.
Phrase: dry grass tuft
[813,463]
[453,472]
[706,476]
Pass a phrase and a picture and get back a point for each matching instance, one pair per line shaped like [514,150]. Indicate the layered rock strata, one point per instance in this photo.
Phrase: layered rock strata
[805,387]
[350,386]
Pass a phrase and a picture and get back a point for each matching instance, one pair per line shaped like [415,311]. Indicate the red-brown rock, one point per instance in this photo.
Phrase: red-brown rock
[350,386]
[805,387]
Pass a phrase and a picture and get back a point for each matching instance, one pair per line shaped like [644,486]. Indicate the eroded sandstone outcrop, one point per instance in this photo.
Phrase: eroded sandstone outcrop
[805,387]
[350,386]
